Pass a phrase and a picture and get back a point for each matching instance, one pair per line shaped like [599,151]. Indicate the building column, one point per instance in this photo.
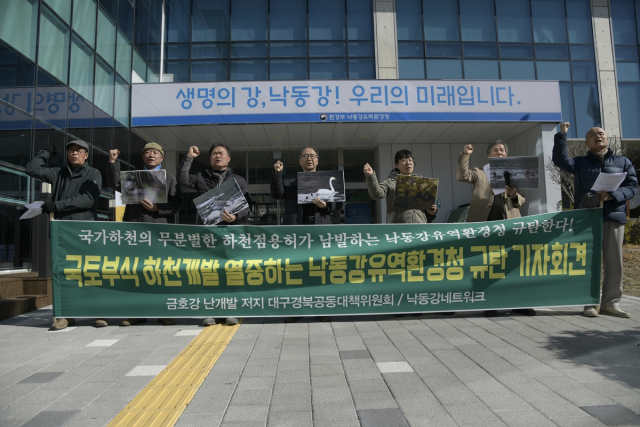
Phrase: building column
[606,64]
[384,21]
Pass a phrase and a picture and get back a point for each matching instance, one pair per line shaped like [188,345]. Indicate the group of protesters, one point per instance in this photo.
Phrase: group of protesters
[76,189]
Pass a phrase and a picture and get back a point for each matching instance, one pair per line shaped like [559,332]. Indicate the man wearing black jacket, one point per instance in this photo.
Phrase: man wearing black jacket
[218,173]
[75,190]
[152,156]
[586,169]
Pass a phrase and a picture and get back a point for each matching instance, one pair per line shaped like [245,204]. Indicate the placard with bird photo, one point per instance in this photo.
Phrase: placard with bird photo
[227,197]
[415,192]
[142,184]
[518,172]
[327,186]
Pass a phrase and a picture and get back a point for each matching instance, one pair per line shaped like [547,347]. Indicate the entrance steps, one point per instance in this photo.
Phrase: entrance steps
[23,292]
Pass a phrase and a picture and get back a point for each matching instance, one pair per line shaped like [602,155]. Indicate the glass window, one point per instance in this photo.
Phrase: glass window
[14,186]
[444,69]
[287,50]
[105,79]
[568,112]
[360,49]
[102,130]
[210,20]
[249,20]
[81,73]
[587,106]
[585,53]
[411,68]
[630,109]
[125,18]
[624,53]
[327,49]
[584,71]
[80,116]
[106,45]
[441,21]
[623,16]
[176,51]
[553,70]
[202,71]
[552,51]
[255,69]
[179,69]
[51,100]
[359,20]
[549,21]
[121,106]
[142,26]
[62,8]
[514,21]
[15,137]
[123,60]
[326,20]
[408,20]
[628,71]
[99,160]
[477,20]
[480,50]
[327,69]
[210,50]
[111,7]
[54,45]
[15,71]
[443,49]
[481,69]
[410,49]
[518,70]
[249,50]
[139,66]
[84,20]
[178,19]
[121,142]
[19,25]
[362,69]
[288,20]
[579,21]
[288,69]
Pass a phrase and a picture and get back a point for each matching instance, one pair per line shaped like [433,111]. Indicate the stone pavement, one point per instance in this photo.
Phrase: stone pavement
[555,369]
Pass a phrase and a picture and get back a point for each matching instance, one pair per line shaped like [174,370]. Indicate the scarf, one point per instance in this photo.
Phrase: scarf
[219,175]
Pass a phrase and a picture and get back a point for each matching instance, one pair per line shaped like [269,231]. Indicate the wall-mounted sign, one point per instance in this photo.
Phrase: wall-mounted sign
[165,104]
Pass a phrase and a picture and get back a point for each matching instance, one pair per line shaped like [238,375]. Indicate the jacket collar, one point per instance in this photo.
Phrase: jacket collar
[210,172]
[79,169]
[594,157]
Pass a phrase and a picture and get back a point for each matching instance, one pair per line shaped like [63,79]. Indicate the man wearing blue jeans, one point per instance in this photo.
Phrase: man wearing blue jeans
[585,169]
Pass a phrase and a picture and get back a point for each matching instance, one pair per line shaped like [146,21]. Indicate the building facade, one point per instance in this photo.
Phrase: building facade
[67,68]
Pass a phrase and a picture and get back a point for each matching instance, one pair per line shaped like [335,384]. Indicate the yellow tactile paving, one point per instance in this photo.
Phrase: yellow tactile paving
[164,399]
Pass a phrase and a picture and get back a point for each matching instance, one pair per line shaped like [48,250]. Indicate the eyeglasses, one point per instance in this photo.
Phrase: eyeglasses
[152,151]
[309,156]
[218,153]
[76,150]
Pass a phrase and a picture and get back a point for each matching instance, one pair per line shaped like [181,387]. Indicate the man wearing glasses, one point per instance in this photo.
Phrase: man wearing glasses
[318,212]
[218,173]
[75,190]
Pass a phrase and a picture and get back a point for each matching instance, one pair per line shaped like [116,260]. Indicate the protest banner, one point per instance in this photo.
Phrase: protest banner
[108,269]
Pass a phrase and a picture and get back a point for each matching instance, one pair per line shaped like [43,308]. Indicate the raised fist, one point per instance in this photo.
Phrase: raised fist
[468,149]
[367,169]
[193,151]
[278,166]
[564,127]
[113,155]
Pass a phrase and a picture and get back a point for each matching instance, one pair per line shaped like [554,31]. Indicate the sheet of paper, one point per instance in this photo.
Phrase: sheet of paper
[31,213]
[608,181]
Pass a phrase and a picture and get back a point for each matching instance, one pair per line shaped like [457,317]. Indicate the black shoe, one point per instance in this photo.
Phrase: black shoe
[525,311]
[490,313]
[292,319]
[323,318]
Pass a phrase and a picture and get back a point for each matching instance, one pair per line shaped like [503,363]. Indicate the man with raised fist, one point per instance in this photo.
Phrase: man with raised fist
[218,173]
[490,204]
[586,169]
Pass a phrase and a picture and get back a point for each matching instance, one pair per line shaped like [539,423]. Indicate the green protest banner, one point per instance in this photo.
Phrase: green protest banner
[109,269]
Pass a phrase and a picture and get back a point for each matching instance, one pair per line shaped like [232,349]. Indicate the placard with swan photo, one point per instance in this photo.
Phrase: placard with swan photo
[327,186]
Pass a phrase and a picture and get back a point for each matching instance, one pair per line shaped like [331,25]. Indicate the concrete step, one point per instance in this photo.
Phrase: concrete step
[15,306]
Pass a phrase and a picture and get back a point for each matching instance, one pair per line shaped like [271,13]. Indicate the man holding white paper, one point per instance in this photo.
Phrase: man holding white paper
[586,170]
